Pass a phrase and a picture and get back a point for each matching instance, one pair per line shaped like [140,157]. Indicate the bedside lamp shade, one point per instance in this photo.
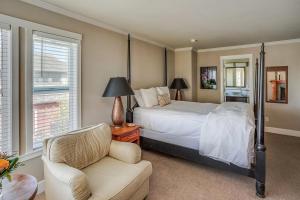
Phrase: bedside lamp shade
[178,84]
[117,87]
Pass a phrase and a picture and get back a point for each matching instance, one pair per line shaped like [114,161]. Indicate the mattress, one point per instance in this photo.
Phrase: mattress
[177,123]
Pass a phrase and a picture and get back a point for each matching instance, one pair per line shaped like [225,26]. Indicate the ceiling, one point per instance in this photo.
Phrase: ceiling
[214,23]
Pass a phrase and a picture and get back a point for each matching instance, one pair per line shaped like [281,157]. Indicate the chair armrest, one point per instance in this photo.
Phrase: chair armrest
[125,151]
[71,177]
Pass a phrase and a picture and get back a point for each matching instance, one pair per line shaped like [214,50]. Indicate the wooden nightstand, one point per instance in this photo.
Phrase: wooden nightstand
[127,134]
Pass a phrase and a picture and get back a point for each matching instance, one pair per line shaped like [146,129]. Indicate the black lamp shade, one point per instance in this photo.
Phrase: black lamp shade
[117,86]
[178,83]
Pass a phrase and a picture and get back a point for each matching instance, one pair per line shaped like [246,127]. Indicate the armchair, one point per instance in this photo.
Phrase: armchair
[88,165]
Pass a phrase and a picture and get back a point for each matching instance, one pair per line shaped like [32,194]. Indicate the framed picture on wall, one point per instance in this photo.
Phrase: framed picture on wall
[208,77]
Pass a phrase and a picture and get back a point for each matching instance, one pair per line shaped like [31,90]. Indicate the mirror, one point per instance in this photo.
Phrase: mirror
[235,77]
[277,84]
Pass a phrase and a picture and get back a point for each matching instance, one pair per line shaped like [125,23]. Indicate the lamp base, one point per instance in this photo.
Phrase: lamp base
[178,95]
[117,115]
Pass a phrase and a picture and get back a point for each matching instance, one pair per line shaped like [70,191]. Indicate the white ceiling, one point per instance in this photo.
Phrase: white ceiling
[214,23]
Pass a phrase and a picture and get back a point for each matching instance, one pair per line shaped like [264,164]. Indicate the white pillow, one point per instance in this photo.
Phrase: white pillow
[163,90]
[138,98]
[149,97]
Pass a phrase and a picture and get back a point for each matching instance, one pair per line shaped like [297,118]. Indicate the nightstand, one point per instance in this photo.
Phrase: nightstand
[126,134]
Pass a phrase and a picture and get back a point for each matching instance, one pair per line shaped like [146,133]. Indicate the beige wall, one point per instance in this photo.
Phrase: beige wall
[194,75]
[213,59]
[185,65]
[104,55]
[285,116]
[147,65]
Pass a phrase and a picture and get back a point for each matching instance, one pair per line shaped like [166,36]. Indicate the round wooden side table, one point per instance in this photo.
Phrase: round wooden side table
[22,187]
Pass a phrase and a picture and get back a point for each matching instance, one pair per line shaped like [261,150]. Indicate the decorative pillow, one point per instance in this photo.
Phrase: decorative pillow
[149,97]
[138,98]
[163,99]
[163,90]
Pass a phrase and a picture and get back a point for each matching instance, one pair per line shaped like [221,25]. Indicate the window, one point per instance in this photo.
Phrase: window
[55,86]
[5,89]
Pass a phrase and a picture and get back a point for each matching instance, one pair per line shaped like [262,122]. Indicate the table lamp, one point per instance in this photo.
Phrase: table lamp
[117,87]
[178,84]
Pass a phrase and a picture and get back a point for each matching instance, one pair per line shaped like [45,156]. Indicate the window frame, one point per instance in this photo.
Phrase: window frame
[29,76]
[20,144]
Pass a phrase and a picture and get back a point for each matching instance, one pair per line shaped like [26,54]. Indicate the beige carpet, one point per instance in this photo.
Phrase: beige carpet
[176,179]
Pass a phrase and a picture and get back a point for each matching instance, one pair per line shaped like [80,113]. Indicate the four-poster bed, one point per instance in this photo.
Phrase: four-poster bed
[257,170]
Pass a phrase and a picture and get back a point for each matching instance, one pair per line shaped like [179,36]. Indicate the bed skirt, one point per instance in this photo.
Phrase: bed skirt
[192,155]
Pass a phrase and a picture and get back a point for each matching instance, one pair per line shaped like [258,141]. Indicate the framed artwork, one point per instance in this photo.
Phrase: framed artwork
[208,77]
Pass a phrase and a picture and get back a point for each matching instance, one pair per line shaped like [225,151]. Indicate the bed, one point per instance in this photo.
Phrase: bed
[202,132]
[178,123]
[222,132]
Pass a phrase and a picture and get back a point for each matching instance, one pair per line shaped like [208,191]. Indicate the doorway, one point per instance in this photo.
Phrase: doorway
[237,78]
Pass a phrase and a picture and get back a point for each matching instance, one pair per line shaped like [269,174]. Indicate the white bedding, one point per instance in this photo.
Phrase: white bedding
[178,118]
[224,132]
[228,134]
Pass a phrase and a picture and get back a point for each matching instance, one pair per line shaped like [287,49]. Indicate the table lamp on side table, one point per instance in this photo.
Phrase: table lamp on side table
[178,84]
[117,87]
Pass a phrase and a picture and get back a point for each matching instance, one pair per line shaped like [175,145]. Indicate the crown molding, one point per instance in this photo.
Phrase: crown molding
[280,42]
[89,20]
[184,49]
[291,41]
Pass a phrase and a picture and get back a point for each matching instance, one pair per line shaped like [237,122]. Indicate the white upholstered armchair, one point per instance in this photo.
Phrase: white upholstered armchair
[88,164]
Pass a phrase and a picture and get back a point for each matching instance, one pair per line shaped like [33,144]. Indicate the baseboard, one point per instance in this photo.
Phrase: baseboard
[41,186]
[282,131]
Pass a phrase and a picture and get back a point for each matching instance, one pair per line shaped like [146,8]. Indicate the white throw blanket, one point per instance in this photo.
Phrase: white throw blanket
[228,134]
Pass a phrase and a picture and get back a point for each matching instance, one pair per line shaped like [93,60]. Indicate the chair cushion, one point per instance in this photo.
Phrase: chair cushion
[113,179]
[80,148]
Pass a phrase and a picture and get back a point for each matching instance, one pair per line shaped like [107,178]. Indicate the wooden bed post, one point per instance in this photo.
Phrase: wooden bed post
[255,89]
[129,114]
[166,68]
[260,169]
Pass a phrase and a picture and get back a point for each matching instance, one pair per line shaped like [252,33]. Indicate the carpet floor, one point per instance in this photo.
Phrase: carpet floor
[177,179]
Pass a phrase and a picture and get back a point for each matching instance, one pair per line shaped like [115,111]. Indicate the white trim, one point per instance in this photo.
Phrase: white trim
[55,36]
[89,20]
[4,26]
[280,42]
[228,48]
[41,187]
[282,131]
[31,155]
[28,90]
[250,77]
[39,27]
[79,106]
[184,49]
[15,87]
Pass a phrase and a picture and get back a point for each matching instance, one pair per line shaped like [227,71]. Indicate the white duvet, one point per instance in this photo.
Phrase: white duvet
[178,118]
[228,134]
[225,131]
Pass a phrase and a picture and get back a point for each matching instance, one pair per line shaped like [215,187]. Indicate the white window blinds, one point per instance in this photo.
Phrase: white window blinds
[55,86]
[5,89]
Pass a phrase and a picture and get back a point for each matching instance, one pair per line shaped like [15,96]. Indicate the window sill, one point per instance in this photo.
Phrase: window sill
[31,155]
